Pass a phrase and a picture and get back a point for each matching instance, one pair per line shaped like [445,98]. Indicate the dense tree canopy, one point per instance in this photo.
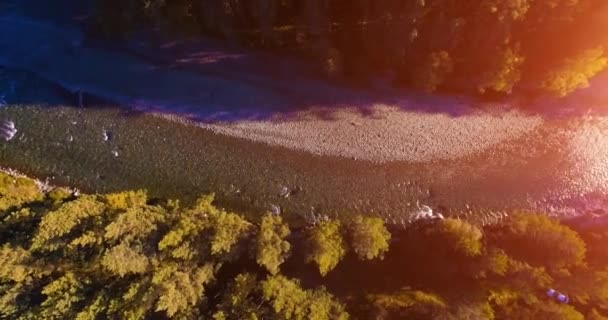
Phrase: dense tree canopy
[553,46]
[65,256]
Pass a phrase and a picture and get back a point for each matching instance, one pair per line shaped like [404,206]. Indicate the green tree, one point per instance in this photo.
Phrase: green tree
[15,264]
[127,199]
[542,310]
[459,236]
[95,309]
[433,71]
[135,222]
[62,297]
[271,247]
[123,260]
[228,229]
[290,301]
[180,290]
[238,301]
[574,73]
[204,223]
[505,72]
[17,191]
[326,247]
[369,238]
[62,222]
[541,241]
[58,195]
[406,301]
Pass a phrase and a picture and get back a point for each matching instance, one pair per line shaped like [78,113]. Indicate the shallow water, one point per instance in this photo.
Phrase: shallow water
[557,168]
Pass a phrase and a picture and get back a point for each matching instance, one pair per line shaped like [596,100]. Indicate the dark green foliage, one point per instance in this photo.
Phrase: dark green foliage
[476,46]
[433,71]
[238,300]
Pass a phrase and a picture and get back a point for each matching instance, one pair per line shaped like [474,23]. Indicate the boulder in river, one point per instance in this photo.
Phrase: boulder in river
[106,135]
[7,130]
[274,209]
[285,192]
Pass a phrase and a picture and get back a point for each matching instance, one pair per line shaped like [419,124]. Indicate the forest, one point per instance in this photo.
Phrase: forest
[65,255]
[480,47]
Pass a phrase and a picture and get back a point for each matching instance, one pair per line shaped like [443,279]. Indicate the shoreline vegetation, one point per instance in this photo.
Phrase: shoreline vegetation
[125,255]
[482,48]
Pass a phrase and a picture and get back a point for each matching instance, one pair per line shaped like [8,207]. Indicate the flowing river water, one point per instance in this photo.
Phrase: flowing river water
[560,167]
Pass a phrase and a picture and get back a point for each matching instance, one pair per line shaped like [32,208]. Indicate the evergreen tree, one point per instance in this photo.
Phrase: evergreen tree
[325,246]
[369,238]
[271,247]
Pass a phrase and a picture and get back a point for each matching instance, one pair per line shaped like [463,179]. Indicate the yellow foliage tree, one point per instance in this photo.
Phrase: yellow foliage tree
[574,73]
[62,297]
[369,238]
[326,247]
[126,199]
[504,73]
[123,260]
[541,241]
[290,301]
[271,247]
[459,236]
[16,191]
[180,289]
[61,222]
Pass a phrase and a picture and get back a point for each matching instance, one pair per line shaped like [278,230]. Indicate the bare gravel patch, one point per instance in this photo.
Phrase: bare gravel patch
[387,133]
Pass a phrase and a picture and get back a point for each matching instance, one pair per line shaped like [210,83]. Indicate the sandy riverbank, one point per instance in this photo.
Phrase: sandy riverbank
[386,133]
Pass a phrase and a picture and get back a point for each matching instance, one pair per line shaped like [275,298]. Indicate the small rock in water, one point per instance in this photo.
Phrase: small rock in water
[274,209]
[106,135]
[233,189]
[285,192]
[7,130]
